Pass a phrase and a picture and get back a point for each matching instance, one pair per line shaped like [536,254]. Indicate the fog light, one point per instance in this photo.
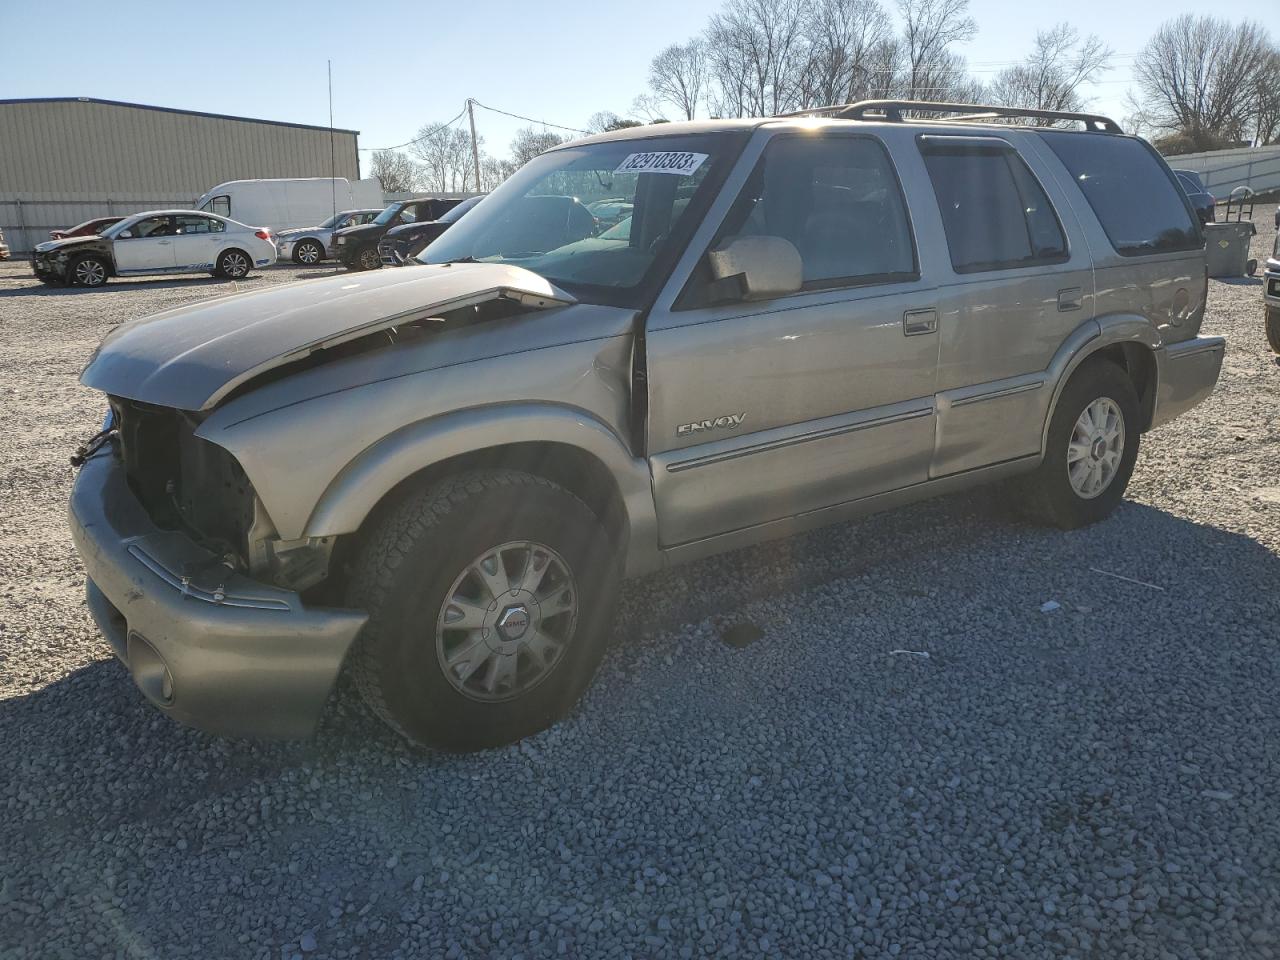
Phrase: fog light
[149,670]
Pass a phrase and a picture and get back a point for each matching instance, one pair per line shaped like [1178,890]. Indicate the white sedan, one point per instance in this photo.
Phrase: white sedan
[157,242]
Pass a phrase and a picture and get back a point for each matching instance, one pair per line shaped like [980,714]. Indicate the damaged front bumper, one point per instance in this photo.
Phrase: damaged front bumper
[210,647]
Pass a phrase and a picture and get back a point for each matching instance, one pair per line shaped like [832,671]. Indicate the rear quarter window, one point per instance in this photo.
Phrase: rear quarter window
[1135,197]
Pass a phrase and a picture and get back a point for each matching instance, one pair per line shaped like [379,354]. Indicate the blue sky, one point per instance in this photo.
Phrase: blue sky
[397,65]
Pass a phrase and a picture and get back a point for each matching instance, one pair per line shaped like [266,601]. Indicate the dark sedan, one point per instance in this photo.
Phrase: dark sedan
[1201,199]
[408,240]
[357,246]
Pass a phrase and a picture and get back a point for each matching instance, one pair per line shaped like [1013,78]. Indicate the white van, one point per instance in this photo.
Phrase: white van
[281,204]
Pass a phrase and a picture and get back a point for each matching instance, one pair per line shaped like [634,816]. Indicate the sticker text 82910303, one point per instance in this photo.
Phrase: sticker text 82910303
[680,163]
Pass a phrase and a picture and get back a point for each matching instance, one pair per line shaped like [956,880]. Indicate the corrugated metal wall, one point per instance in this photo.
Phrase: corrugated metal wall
[72,160]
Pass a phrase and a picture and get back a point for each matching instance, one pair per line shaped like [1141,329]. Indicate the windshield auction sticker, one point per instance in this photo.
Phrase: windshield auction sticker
[681,164]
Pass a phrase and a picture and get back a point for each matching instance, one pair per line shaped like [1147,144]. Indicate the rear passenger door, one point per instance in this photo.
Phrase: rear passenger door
[196,241]
[761,411]
[1013,289]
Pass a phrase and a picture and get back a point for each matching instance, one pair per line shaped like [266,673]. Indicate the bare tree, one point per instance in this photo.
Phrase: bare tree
[493,171]
[842,39]
[1266,95]
[1198,78]
[752,52]
[445,153]
[529,142]
[1052,76]
[929,28]
[393,170]
[604,121]
[678,76]
[648,108]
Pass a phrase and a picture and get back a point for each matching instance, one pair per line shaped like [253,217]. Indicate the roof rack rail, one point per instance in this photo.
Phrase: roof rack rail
[891,110]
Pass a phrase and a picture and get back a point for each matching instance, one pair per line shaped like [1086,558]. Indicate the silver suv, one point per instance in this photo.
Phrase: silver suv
[436,476]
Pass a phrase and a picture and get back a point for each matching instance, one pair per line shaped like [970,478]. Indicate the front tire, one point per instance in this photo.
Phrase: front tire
[308,253]
[490,597]
[1092,447]
[366,258]
[88,272]
[233,265]
[1273,327]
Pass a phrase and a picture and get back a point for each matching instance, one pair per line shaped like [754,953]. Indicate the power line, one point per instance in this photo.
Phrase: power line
[544,123]
[424,137]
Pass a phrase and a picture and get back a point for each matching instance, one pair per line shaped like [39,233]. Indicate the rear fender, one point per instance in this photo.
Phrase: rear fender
[1090,338]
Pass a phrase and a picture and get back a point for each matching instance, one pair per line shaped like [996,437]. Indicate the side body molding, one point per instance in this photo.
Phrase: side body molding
[399,455]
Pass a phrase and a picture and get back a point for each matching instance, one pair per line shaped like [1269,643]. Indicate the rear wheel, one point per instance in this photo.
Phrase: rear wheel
[490,596]
[1092,447]
[88,272]
[1273,327]
[308,252]
[233,264]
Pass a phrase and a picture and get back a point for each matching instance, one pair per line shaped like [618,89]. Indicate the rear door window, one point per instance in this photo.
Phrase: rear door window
[1134,196]
[995,213]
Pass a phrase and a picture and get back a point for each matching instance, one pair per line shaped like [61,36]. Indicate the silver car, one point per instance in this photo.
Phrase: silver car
[310,245]
[434,478]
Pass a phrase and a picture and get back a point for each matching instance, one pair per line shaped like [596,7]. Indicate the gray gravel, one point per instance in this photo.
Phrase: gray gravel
[1092,780]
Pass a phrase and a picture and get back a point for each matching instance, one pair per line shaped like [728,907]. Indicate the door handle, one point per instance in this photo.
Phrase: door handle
[917,322]
[1069,299]
[162,243]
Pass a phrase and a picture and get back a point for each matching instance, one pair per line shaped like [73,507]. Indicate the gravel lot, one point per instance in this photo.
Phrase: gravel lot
[1093,781]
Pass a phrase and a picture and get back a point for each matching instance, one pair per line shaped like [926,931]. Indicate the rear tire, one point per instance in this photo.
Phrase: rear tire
[233,264]
[457,653]
[1273,327]
[308,253]
[1091,450]
[88,271]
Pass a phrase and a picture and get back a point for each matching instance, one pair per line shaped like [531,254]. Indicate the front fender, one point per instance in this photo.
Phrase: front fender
[358,488]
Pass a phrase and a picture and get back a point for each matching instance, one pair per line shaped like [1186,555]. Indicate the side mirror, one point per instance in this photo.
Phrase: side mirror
[764,267]
[124,235]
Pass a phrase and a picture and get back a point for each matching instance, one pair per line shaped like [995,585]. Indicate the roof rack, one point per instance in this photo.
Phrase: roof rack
[891,110]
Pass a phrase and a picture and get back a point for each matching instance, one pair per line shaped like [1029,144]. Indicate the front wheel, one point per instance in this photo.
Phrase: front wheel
[88,272]
[366,259]
[308,253]
[490,597]
[1092,447]
[233,265]
[1273,327]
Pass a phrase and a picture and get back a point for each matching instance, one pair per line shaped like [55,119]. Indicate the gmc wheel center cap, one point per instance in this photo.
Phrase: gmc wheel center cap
[513,622]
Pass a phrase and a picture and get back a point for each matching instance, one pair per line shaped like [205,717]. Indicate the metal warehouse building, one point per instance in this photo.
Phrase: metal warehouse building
[66,159]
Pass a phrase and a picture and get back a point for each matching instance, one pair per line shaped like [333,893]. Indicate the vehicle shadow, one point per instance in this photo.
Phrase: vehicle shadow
[97,711]
[98,785]
[1240,281]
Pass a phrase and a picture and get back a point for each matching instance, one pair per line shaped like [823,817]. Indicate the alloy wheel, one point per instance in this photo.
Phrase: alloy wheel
[506,621]
[1095,448]
[308,253]
[235,265]
[90,273]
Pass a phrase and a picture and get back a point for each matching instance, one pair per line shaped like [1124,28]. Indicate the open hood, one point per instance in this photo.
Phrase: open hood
[191,357]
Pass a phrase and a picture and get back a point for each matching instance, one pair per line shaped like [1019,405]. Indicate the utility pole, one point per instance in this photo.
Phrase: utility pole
[333,185]
[475,144]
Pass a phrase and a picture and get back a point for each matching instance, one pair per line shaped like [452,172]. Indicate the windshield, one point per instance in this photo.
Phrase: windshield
[541,219]
[387,215]
[336,219]
[460,209]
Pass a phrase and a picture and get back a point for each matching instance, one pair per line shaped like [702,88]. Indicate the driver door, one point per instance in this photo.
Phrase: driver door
[761,411]
[149,249]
